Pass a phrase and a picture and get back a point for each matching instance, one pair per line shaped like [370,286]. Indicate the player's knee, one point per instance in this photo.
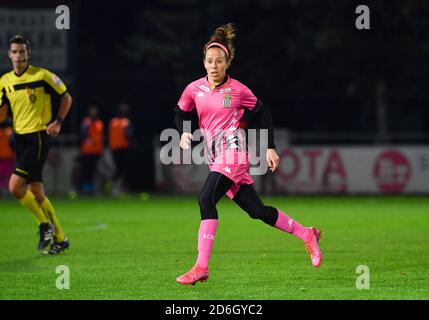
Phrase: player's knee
[13,190]
[16,189]
[40,196]
[207,208]
[204,201]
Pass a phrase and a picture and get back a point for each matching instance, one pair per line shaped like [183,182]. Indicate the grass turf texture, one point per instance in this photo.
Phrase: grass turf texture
[134,248]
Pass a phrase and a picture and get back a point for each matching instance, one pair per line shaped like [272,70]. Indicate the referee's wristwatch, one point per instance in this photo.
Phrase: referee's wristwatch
[60,120]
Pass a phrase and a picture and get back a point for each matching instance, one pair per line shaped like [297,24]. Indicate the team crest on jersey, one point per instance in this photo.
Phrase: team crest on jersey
[227,100]
[204,88]
[31,95]
[56,80]
[224,90]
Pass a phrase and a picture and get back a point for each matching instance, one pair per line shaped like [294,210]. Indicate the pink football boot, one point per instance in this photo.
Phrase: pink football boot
[312,246]
[194,275]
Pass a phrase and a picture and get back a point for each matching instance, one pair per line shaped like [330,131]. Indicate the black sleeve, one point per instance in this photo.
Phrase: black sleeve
[4,100]
[266,121]
[181,116]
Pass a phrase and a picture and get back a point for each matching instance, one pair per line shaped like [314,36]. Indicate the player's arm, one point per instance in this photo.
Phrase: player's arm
[257,108]
[179,117]
[3,112]
[266,120]
[65,105]
[55,85]
[183,112]
[4,102]
[185,133]
[54,128]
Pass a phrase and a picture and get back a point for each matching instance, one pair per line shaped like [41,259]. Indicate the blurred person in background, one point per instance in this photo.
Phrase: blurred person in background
[27,91]
[91,148]
[220,102]
[120,144]
[7,155]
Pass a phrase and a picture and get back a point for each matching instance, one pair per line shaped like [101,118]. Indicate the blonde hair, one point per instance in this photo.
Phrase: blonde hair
[223,35]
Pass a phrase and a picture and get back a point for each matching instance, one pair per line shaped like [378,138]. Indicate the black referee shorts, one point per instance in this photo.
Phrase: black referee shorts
[31,153]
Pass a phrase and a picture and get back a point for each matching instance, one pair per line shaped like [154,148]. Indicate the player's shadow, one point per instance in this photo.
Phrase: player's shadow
[19,265]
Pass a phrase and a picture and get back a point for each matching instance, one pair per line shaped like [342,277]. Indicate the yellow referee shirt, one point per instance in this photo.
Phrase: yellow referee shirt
[29,97]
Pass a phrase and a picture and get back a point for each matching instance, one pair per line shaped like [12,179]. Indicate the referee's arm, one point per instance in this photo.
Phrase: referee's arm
[65,105]
[3,104]
[54,128]
[3,112]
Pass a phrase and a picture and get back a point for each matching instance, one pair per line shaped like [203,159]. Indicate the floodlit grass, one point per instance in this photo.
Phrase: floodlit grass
[134,248]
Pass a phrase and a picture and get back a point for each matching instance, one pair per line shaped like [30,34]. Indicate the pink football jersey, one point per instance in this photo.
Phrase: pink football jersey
[219,112]
[219,109]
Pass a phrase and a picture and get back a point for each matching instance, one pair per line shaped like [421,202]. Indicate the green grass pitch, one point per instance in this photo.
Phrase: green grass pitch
[134,248]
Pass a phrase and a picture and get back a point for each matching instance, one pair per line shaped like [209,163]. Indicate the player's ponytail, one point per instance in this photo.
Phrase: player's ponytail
[223,37]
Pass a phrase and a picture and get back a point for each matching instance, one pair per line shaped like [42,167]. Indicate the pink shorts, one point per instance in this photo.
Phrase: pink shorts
[234,165]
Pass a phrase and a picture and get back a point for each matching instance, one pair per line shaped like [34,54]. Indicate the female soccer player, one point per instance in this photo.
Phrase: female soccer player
[220,102]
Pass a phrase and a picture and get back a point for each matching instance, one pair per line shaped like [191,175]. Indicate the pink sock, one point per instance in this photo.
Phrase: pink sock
[289,225]
[206,236]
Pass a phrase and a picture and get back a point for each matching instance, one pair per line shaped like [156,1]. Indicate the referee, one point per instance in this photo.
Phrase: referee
[27,91]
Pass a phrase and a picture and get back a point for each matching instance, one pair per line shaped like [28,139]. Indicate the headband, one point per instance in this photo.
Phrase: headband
[213,44]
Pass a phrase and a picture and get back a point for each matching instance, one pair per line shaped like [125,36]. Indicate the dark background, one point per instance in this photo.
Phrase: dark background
[305,59]
[324,80]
